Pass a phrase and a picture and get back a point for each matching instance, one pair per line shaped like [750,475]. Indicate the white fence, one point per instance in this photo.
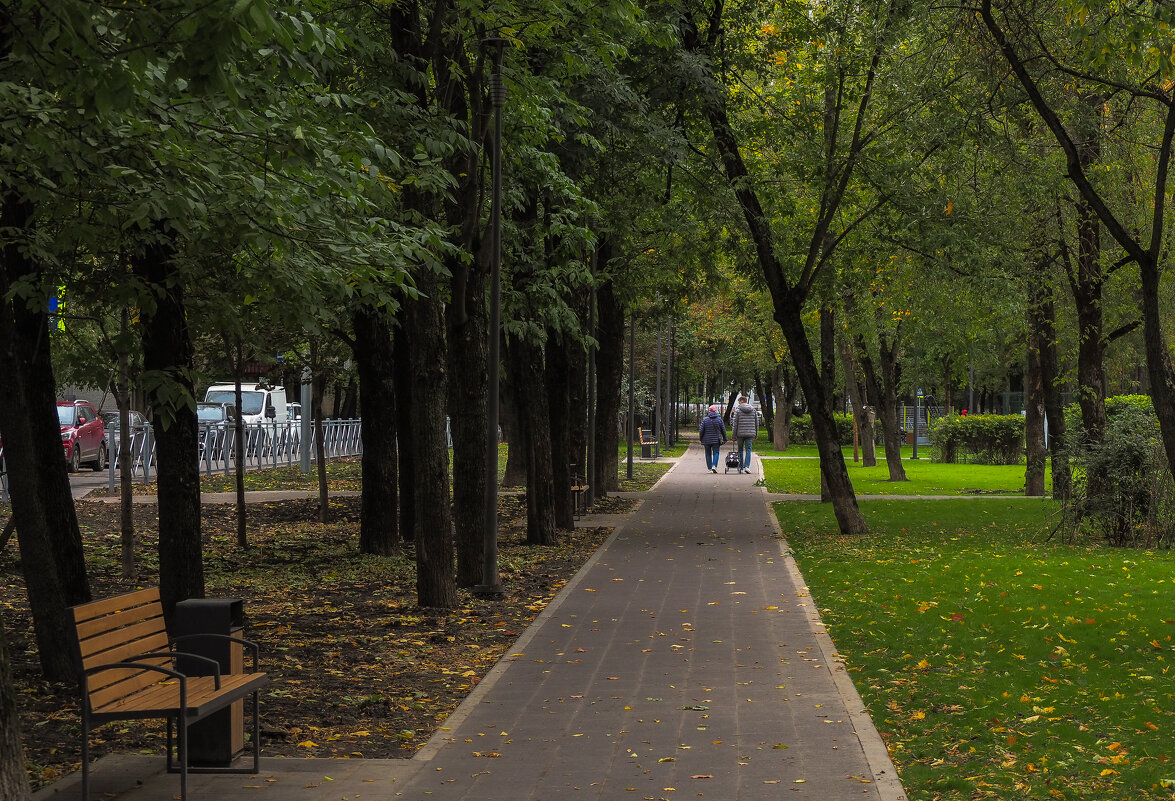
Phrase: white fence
[265,445]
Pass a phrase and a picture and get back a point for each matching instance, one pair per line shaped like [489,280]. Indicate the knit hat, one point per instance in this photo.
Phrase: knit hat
[713,408]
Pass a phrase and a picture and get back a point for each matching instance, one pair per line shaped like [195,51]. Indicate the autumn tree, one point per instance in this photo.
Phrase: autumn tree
[1107,63]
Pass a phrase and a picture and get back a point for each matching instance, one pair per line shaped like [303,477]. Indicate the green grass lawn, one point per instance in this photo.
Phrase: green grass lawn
[808,450]
[995,663]
[925,478]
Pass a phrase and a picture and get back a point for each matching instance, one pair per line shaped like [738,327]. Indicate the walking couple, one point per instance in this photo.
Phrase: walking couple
[744,426]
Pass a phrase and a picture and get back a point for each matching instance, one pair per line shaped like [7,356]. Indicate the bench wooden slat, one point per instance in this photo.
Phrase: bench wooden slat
[106,606]
[129,623]
[110,648]
[163,699]
[116,683]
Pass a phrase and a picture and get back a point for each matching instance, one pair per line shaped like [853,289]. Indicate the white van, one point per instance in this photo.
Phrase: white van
[259,404]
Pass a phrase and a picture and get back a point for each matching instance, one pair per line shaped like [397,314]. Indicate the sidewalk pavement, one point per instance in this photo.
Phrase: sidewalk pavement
[686,659]
[251,496]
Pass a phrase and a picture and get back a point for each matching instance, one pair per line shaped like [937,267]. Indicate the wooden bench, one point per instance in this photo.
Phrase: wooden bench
[579,489]
[647,443]
[579,496]
[129,669]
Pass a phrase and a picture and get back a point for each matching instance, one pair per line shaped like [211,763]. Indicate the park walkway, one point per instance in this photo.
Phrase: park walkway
[686,660]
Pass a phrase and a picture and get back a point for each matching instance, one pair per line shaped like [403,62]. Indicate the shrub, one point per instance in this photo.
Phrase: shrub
[803,433]
[1075,426]
[980,438]
[1122,489]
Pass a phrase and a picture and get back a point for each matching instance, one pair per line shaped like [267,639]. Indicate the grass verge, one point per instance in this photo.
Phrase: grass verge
[995,663]
[802,476]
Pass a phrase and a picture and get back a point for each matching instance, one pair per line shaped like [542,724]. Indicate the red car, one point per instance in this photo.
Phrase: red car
[83,435]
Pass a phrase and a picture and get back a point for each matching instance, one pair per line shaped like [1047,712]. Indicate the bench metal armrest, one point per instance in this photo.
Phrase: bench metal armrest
[132,664]
[173,655]
[252,646]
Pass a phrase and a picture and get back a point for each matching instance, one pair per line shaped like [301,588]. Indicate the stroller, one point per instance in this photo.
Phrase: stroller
[733,462]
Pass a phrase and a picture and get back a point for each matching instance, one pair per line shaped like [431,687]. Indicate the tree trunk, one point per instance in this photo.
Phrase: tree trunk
[558,385]
[609,376]
[515,474]
[577,399]
[318,384]
[1034,411]
[1158,357]
[765,401]
[784,390]
[234,350]
[167,371]
[1086,286]
[435,578]
[525,362]
[467,313]
[466,318]
[14,780]
[347,408]
[889,411]
[1042,306]
[828,381]
[125,478]
[379,502]
[51,553]
[863,414]
[832,464]
[406,441]
[578,402]
[885,391]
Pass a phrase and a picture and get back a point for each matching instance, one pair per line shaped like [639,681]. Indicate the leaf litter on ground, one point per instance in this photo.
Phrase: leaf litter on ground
[359,670]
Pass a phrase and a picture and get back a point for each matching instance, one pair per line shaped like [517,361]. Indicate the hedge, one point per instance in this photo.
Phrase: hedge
[802,432]
[983,438]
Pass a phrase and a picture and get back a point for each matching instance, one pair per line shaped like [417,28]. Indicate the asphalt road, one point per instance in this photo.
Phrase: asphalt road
[85,480]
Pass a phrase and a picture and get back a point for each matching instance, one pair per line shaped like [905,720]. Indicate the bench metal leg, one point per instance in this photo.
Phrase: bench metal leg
[181,748]
[85,753]
[256,731]
[183,756]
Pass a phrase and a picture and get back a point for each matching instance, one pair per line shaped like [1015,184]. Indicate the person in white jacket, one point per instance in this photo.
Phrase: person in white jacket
[744,427]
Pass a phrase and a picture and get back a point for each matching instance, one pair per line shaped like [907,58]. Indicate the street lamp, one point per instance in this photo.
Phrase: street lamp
[491,586]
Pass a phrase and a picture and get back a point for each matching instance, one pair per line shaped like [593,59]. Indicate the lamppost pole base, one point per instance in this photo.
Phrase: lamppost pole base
[489,592]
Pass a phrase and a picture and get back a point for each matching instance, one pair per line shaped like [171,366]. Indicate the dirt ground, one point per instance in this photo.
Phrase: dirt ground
[358,668]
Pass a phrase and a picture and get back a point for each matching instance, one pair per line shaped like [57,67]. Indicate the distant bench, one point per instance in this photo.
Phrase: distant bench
[647,443]
[579,490]
[128,670]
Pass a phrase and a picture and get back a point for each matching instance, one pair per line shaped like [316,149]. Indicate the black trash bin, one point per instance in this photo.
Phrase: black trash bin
[219,738]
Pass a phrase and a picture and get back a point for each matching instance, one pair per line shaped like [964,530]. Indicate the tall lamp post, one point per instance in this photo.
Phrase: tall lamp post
[491,586]
[632,430]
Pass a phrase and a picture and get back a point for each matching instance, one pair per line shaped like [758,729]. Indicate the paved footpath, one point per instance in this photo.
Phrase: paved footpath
[686,660]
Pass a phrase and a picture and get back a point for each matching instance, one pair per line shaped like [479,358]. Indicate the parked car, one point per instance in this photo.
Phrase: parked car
[83,435]
[215,420]
[111,418]
[259,404]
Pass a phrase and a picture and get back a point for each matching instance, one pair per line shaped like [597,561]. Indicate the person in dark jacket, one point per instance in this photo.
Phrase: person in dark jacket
[712,433]
[744,426]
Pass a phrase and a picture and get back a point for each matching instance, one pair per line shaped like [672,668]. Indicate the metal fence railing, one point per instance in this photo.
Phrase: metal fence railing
[266,445]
